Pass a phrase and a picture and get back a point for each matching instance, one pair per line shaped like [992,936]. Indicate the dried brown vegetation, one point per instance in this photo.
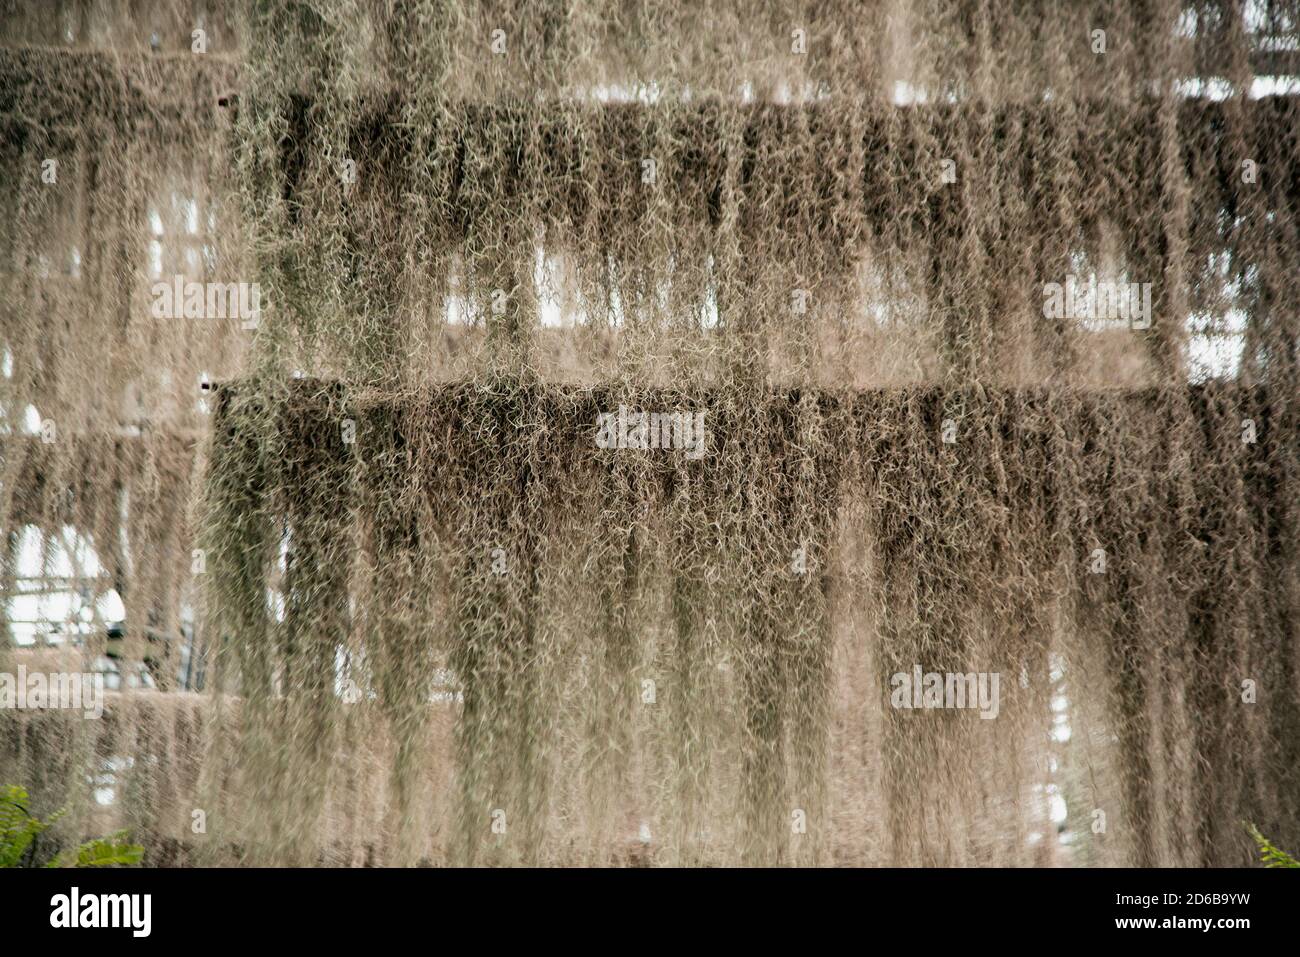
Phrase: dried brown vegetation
[426,503]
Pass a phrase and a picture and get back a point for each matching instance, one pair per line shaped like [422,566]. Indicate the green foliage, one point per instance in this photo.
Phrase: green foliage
[1270,855]
[102,852]
[19,828]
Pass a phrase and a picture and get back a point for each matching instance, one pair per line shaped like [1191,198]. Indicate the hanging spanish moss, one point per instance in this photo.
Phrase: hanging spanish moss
[755,434]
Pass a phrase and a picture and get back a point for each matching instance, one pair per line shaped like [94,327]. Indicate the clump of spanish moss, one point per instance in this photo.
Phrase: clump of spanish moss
[459,603]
